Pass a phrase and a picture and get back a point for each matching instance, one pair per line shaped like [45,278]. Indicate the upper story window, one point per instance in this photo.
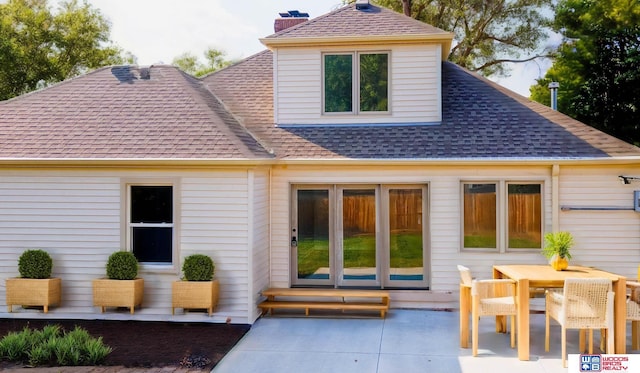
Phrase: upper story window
[356,87]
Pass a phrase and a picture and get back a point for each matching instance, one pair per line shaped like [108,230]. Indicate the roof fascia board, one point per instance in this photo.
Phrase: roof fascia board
[144,163]
[466,162]
[444,39]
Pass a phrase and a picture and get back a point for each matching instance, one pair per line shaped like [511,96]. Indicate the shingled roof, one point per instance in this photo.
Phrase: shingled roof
[481,120]
[124,112]
[348,21]
[372,24]
[127,112]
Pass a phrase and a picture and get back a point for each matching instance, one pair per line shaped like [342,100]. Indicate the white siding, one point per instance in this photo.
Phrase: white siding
[76,217]
[414,86]
[444,214]
[260,244]
[607,239]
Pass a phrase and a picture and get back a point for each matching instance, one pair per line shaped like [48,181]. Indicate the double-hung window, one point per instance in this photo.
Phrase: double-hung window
[151,223]
[502,215]
[356,82]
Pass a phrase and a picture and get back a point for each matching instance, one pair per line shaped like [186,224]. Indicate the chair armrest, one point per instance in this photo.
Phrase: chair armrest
[634,286]
[493,287]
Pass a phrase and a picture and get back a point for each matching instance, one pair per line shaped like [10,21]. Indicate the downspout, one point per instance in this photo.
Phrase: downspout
[555,198]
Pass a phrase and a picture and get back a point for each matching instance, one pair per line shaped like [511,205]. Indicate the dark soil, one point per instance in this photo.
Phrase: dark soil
[150,343]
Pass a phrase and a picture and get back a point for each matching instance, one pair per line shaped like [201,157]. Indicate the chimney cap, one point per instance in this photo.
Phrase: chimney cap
[362,4]
[294,14]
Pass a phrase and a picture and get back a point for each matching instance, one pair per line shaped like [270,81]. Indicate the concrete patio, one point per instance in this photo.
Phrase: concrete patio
[405,341]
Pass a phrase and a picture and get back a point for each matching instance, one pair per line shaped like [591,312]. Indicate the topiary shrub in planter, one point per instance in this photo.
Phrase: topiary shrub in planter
[35,264]
[198,289]
[121,288]
[35,286]
[198,267]
[122,265]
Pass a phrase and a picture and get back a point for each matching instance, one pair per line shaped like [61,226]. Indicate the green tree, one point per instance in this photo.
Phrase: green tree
[189,63]
[39,47]
[597,65]
[488,33]
[609,99]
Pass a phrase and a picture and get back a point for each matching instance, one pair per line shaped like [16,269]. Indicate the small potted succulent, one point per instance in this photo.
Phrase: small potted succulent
[122,287]
[556,249]
[35,286]
[197,289]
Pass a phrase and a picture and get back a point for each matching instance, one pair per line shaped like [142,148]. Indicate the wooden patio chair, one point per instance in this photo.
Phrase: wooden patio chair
[633,313]
[583,304]
[491,297]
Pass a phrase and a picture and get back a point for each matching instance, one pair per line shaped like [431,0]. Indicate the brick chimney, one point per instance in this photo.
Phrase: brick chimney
[289,19]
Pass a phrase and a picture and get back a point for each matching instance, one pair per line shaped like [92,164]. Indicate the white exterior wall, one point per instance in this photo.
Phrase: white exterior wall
[616,231]
[260,234]
[607,239]
[76,216]
[414,86]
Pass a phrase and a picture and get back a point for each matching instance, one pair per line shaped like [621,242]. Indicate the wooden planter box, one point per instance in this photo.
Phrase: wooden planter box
[117,293]
[195,294]
[43,292]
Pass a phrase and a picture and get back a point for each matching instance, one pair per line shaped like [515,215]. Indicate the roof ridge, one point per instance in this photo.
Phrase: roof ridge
[400,18]
[60,83]
[242,61]
[217,108]
[310,21]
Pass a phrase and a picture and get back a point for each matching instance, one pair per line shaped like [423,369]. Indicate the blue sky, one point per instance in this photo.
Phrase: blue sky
[156,31]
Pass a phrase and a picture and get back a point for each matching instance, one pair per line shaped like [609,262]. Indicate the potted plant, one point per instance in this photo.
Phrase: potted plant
[556,249]
[197,289]
[122,287]
[35,286]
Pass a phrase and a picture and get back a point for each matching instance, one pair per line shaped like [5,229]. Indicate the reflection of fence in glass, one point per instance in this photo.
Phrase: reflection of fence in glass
[405,224]
[524,217]
[313,234]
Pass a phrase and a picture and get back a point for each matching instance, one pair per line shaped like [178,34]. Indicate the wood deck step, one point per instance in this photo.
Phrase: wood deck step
[314,298]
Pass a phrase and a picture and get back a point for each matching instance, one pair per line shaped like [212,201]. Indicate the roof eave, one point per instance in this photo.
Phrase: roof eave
[131,162]
[629,160]
[444,39]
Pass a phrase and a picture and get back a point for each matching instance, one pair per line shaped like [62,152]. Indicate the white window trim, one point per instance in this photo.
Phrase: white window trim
[126,184]
[355,83]
[502,218]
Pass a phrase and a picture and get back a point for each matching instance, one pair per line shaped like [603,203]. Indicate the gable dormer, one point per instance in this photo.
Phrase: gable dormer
[360,64]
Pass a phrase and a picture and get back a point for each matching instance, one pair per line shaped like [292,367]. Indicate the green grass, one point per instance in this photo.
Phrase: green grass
[480,241]
[406,251]
[484,242]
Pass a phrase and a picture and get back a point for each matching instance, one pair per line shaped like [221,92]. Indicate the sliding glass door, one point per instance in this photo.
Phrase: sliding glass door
[357,251]
[359,236]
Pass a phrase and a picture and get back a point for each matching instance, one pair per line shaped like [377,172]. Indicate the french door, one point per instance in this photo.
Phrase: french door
[360,236]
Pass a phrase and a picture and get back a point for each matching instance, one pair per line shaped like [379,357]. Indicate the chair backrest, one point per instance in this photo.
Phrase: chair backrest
[633,302]
[465,275]
[587,302]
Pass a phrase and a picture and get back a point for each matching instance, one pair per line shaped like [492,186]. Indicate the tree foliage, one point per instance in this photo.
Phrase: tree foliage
[39,47]
[487,33]
[190,63]
[597,65]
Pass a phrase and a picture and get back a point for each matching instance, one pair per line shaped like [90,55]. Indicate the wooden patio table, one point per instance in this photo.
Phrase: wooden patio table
[544,276]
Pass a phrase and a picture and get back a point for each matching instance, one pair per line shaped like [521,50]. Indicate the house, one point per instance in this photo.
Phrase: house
[349,153]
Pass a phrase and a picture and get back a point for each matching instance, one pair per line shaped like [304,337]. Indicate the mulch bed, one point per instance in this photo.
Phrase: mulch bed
[150,343]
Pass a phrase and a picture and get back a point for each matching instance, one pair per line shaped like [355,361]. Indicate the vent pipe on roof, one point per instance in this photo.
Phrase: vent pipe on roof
[553,87]
[362,4]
